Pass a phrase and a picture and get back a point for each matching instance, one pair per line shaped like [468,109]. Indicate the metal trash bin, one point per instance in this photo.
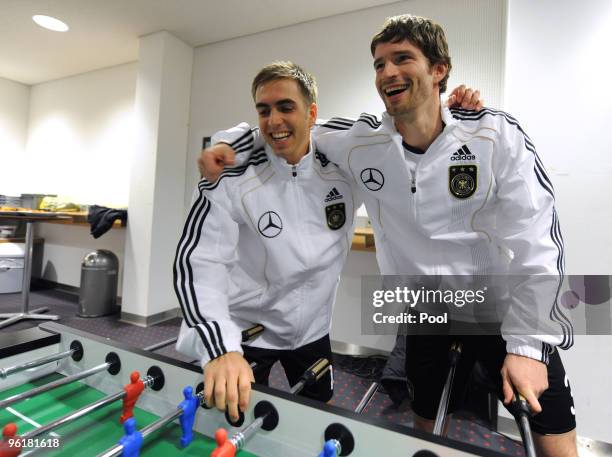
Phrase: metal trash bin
[98,293]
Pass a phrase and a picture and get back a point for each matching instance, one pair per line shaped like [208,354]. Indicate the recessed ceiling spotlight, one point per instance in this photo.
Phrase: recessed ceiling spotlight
[50,23]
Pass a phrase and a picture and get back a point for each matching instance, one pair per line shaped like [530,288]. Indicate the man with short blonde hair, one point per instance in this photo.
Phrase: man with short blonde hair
[265,244]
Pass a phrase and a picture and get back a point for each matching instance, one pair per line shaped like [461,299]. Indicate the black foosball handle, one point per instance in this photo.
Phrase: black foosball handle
[252,332]
[522,414]
[316,371]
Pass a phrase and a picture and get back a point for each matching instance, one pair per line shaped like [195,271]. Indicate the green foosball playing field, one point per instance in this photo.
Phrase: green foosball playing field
[96,432]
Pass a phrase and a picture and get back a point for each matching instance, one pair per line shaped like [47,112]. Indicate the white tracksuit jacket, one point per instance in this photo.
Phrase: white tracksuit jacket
[478,202]
[264,244]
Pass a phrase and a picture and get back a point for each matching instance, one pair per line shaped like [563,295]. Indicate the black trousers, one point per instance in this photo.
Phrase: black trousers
[427,365]
[295,362]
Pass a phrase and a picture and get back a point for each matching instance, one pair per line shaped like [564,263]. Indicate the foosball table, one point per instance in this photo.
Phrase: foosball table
[64,392]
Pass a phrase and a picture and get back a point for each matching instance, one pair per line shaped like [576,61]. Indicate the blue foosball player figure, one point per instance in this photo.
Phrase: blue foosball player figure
[189,407]
[329,449]
[132,440]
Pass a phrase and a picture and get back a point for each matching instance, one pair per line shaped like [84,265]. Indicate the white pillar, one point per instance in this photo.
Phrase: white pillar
[157,181]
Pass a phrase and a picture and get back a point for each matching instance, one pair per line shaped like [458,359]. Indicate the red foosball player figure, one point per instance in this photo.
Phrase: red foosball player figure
[225,448]
[9,446]
[132,393]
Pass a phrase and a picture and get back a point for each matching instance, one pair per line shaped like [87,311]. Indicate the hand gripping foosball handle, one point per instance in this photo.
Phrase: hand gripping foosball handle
[521,404]
[522,414]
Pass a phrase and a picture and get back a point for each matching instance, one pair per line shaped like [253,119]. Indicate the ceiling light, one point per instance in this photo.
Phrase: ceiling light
[50,23]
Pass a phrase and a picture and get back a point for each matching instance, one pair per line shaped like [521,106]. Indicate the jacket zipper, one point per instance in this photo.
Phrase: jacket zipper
[299,330]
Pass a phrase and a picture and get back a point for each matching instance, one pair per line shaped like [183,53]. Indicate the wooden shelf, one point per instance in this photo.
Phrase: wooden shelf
[80,218]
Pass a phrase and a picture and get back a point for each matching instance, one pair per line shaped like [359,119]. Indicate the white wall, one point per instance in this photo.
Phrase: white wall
[79,145]
[157,180]
[80,137]
[557,85]
[14,105]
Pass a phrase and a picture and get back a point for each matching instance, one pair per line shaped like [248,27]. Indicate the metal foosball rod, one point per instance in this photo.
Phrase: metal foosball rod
[266,418]
[112,364]
[75,351]
[148,381]
[5,372]
[151,428]
[454,354]
[118,449]
[74,415]
[367,397]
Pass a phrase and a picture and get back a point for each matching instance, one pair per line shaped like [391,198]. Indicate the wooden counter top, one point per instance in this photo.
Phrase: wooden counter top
[80,218]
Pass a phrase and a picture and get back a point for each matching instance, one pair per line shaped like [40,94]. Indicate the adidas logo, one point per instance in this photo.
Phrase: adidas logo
[463,154]
[333,195]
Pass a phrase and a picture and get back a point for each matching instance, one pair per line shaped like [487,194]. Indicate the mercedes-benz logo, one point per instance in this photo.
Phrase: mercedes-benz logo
[372,178]
[270,224]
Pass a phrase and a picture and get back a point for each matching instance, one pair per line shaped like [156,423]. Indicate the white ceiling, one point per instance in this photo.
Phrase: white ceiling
[105,32]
